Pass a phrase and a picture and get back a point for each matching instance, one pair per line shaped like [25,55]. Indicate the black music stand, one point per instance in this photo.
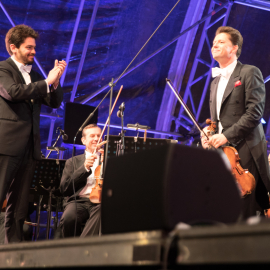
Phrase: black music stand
[134,144]
[45,183]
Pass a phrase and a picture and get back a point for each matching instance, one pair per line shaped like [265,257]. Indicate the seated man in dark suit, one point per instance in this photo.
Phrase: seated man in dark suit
[79,173]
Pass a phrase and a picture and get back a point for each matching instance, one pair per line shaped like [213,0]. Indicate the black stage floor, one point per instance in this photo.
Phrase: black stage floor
[185,248]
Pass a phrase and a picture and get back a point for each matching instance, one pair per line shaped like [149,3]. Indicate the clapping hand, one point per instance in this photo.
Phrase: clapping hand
[56,72]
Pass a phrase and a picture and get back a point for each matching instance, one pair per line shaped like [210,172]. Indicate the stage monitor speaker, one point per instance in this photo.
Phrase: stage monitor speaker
[75,115]
[158,188]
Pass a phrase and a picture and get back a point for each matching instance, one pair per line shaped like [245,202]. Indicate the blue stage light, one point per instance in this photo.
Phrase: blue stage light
[263,121]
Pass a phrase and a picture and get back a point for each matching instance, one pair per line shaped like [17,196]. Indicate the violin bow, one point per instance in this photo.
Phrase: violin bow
[103,130]
[188,111]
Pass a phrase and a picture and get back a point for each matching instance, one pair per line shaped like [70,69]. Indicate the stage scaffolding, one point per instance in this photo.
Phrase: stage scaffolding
[167,118]
[163,123]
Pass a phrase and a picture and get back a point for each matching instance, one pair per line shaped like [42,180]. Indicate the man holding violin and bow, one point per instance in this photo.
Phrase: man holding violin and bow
[79,172]
[237,100]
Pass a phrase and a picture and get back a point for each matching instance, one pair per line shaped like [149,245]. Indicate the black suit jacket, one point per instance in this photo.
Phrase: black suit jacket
[20,106]
[76,174]
[241,111]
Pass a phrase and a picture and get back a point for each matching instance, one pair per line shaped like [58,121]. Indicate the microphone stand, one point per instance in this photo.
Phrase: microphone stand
[111,84]
[121,143]
[53,148]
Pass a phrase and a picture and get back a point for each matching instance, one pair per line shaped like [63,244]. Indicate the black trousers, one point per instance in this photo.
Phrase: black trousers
[86,212]
[16,174]
[258,200]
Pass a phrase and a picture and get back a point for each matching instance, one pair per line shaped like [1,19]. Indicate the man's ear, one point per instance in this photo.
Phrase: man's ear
[235,49]
[83,140]
[13,48]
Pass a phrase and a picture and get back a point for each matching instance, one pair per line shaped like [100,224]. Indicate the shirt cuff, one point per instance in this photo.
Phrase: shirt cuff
[86,169]
[48,88]
[55,87]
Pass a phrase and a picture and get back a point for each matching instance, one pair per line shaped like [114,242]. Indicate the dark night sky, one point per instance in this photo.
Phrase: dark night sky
[120,30]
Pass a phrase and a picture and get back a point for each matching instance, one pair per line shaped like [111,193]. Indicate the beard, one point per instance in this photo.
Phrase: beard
[25,58]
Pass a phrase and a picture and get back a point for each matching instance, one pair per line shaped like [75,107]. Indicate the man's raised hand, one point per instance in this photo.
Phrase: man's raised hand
[56,72]
[89,162]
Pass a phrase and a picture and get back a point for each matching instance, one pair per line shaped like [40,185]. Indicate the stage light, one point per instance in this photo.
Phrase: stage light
[263,121]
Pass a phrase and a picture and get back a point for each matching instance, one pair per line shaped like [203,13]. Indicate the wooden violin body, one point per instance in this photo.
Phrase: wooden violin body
[245,180]
[95,195]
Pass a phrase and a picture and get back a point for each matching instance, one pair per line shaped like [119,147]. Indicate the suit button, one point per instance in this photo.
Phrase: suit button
[234,113]
[237,101]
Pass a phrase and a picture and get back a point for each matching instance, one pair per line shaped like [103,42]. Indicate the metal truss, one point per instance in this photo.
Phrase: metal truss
[182,120]
[178,64]
[85,47]
[91,96]
[261,4]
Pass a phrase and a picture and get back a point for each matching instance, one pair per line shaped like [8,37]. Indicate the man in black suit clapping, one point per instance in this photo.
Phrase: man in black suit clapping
[22,91]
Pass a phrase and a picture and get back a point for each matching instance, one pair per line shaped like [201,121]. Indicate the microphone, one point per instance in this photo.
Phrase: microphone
[120,113]
[62,132]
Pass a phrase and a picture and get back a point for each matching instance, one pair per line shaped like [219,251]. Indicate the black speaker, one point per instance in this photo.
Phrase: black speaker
[158,188]
[75,115]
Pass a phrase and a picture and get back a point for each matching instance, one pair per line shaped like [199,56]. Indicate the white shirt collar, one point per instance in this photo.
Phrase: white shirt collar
[18,64]
[87,153]
[230,68]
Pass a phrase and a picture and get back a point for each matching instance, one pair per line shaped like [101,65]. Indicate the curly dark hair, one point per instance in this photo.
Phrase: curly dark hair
[17,35]
[235,37]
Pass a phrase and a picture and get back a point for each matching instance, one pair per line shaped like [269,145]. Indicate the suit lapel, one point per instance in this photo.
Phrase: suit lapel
[17,72]
[214,87]
[80,160]
[33,76]
[234,78]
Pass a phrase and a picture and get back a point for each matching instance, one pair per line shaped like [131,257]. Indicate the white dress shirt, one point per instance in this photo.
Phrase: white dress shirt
[25,74]
[91,180]
[223,81]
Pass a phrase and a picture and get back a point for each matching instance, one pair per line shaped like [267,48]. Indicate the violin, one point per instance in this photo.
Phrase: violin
[95,195]
[244,179]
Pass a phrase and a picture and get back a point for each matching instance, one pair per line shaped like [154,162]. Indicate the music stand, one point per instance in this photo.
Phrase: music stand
[134,144]
[45,182]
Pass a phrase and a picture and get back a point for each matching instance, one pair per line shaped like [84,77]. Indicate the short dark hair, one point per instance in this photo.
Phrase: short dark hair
[235,37]
[17,35]
[89,126]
